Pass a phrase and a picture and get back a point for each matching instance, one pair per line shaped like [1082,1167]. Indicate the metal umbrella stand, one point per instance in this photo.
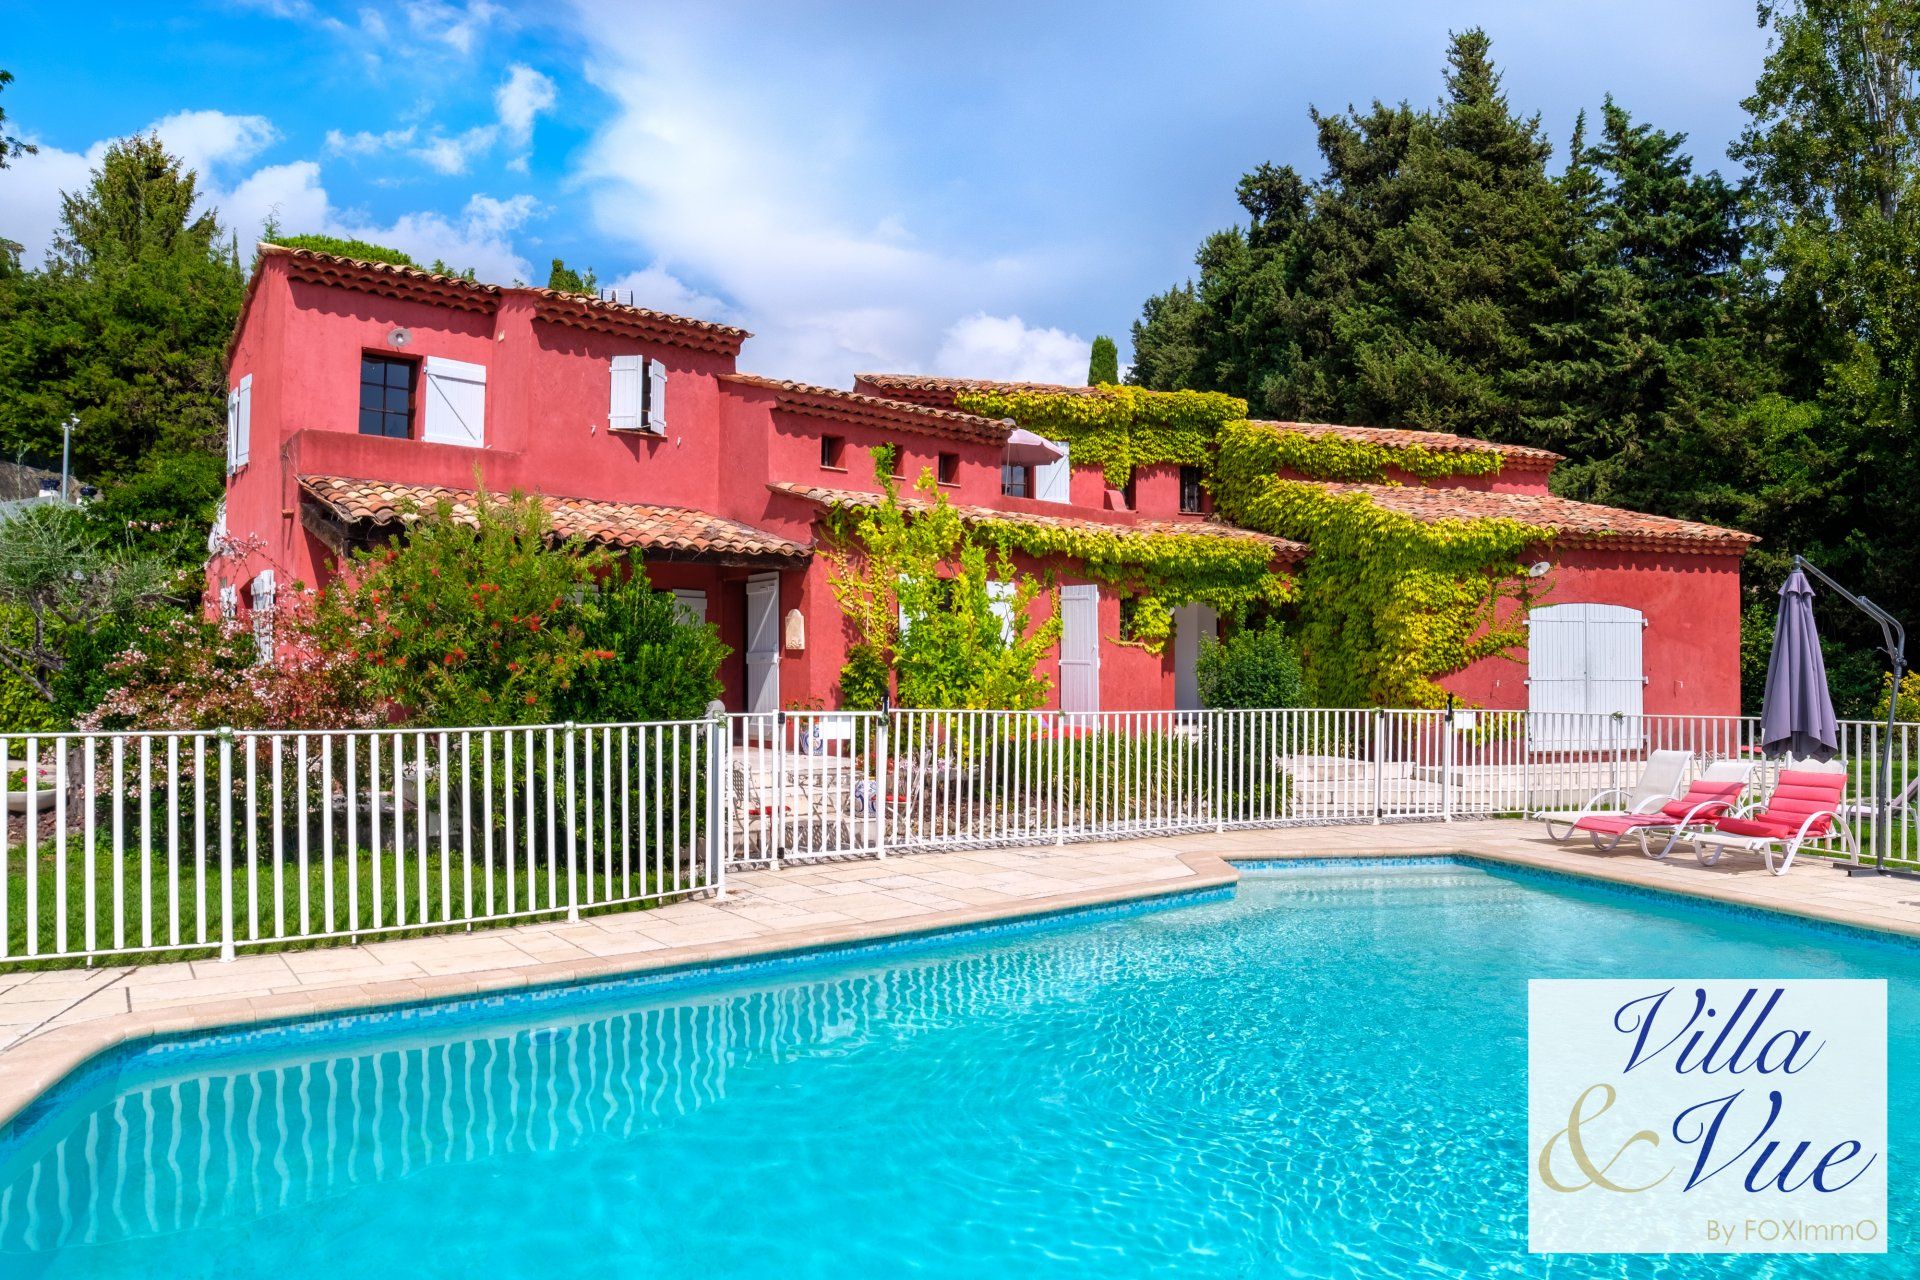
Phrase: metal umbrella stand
[1894,638]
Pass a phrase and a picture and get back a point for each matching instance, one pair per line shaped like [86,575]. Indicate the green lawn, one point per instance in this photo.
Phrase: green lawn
[400,895]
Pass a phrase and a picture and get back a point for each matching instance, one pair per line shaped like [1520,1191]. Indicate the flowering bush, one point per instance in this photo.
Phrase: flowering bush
[187,672]
[468,621]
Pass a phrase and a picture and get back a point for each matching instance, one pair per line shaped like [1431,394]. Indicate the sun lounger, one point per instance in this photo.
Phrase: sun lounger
[1804,805]
[1659,783]
[1714,794]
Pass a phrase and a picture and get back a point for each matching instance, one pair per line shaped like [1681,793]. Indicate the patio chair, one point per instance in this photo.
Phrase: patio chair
[1715,793]
[1659,783]
[1805,805]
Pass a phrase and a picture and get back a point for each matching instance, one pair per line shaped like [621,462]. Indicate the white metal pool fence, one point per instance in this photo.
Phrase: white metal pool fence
[211,842]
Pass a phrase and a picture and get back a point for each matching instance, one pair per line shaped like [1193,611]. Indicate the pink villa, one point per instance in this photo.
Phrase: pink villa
[360,390]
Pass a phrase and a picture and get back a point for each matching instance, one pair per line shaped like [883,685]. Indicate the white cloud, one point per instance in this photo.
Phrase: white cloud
[525,94]
[208,139]
[365,143]
[293,194]
[711,172]
[658,290]
[459,27]
[984,346]
[449,155]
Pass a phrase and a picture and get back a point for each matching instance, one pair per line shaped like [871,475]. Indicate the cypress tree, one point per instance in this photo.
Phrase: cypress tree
[1103,365]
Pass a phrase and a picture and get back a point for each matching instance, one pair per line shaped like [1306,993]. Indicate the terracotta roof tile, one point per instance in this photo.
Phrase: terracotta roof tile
[858,499]
[922,388]
[620,317]
[1575,524]
[415,284]
[876,411]
[1401,437]
[666,533]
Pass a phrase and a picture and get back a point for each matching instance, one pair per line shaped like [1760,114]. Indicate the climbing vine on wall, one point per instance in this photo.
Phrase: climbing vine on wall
[1160,570]
[1388,603]
[1333,457]
[1116,428]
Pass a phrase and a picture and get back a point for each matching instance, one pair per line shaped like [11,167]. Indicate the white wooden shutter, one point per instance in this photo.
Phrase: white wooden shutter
[233,430]
[656,397]
[1585,681]
[229,601]
[263,603]
[624,414]
[1053,481]
[1000,599]
[692,606]
[456,403]
[243,422]
[1080,648]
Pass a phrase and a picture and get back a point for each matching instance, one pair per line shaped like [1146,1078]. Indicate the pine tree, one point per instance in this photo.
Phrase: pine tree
[567,280]
[10,146]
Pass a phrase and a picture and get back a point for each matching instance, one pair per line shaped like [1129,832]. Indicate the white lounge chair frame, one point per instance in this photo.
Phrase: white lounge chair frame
[1768,846]
[1659,783]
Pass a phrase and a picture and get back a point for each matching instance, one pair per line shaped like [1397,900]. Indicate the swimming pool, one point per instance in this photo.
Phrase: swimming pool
[1320,1073]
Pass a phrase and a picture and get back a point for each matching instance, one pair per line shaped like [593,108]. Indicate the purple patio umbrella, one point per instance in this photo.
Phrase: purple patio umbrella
[1796,714]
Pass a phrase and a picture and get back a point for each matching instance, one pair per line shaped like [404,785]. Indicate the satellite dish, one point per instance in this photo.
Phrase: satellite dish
[399,338]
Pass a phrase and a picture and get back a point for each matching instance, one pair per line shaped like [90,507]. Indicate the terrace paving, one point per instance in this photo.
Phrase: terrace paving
[52,1020]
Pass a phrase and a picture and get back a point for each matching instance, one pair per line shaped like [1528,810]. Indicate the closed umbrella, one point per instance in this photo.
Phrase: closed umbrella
[1026,449]
[1796,715]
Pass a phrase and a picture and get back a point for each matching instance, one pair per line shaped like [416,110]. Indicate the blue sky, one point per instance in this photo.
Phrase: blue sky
[967,189]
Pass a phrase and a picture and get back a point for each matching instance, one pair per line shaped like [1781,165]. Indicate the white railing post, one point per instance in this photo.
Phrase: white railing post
[226,846]
[718,796]
[882,739]
[1446,763]
[573,870]
[1379,762]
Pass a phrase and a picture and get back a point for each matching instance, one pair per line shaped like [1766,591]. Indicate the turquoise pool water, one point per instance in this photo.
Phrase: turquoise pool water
[1321,1074]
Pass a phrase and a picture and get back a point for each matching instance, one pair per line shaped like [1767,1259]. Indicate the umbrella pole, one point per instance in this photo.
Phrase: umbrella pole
[1895,637]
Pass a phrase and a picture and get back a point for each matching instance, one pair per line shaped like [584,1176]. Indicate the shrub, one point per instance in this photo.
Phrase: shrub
[650,662]
[1254,667]
[469,621]
[359,250]
[189,672]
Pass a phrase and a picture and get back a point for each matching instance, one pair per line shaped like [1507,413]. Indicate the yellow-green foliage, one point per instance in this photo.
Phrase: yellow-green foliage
[1117,428]
[1333,457]
[1388,602]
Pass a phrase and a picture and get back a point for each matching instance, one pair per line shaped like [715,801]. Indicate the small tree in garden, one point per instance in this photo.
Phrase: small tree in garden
[64,587]
[189,672]
[467,622]
[917,590]
[1254,667]
[652,663]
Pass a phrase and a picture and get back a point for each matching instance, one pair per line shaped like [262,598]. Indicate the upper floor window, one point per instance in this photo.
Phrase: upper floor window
[1190,500]
[1129,494]
[949,468]
[386,397]
[1016,481]
[833,452]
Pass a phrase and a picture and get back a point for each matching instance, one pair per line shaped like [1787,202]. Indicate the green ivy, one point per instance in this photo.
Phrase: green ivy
[1388,602]
[1117,428]
[1325,456]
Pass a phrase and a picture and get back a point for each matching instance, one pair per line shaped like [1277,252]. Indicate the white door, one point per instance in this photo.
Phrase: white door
[1586,684]
[763,642]
[1080,648]
[1190,623]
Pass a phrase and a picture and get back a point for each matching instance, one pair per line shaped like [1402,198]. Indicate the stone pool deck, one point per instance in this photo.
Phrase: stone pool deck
[50,1021]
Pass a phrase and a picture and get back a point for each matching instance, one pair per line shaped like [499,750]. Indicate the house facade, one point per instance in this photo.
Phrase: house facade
[362,392]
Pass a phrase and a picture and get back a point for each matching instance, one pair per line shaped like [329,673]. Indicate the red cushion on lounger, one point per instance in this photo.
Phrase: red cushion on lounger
[1614,824]
[1799,793]
[1756,827]
[1717,794]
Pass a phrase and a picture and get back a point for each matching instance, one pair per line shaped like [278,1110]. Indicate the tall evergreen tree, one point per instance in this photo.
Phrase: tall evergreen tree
[126,332]
[10,146]
[1103,364]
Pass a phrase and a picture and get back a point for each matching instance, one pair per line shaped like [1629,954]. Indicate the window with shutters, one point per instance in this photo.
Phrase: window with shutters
[386,396]
[1016,481]
[263,605]
[239,424]
[639,396]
